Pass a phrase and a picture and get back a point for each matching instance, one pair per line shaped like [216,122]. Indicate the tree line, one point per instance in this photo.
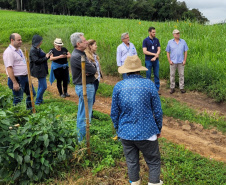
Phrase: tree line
[151,10]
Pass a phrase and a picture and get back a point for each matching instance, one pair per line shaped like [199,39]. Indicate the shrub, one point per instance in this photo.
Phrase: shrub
[31,151]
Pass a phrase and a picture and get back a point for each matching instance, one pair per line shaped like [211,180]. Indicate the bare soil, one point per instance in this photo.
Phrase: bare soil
[208,143]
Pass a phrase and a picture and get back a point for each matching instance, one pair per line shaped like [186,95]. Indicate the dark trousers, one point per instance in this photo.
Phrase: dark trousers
[150,150]
[24,88]
[96,85]
[61,75]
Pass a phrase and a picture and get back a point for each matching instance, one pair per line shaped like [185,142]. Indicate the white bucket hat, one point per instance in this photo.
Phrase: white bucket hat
[58,42]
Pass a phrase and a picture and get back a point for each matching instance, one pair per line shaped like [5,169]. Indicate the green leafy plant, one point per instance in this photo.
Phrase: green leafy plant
[31,151]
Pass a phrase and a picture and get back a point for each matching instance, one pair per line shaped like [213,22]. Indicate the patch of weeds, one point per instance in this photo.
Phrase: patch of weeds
[174,108]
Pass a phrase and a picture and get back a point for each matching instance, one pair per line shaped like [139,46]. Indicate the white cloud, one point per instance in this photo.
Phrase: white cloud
[215,10]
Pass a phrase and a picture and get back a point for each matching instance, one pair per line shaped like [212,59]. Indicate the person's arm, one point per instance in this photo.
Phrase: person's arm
[185,57]
[90,68]
[168,57]
[156,109]
[157,54]
[135,50]
[148,52]
[115,113]
[68,54]
[118,56]
[16,86]
[35,58]
[53,58]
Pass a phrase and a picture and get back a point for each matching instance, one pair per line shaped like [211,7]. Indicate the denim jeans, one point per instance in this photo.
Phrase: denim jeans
[96,85]
[24,88]
[42,86]
[81,117]
[155,66]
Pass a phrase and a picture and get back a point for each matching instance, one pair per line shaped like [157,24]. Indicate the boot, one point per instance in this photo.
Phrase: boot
[136,183]
[160,183]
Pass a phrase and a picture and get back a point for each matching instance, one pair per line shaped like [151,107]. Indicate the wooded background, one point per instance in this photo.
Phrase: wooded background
[152,10]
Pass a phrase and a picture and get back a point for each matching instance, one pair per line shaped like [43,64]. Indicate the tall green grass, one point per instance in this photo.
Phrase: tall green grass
[206,64]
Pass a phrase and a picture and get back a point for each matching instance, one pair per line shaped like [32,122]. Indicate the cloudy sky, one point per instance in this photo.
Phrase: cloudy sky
[214,10]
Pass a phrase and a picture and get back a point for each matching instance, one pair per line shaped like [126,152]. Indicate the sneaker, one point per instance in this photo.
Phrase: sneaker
[62,96]
[182,91]
[66,94]
[172,91]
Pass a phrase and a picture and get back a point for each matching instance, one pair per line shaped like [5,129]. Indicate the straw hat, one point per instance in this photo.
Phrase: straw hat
[131,64]
[58,42]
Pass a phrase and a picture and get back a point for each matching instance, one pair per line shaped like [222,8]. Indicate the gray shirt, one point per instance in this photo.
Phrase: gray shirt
[76,68]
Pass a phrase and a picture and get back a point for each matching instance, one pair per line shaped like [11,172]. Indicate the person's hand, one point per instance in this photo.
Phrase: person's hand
[153,59]
[63,56]
[16,86]
[171,63]
[158,135]
[47,55]
[184,62]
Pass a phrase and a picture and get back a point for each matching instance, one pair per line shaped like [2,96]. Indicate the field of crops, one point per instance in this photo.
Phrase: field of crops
[44,150]
[206,64]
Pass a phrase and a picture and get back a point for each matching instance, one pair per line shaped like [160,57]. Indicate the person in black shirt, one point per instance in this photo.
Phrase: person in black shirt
[59,67]
[80,43]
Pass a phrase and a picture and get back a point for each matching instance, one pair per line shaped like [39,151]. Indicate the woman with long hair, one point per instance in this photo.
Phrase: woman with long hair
[93,57]
[59,67]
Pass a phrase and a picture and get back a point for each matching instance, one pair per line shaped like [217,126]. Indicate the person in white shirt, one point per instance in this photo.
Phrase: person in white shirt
[124,50]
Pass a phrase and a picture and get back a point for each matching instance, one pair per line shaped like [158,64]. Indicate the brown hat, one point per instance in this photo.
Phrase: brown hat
[176,31]
[58,42]
[131,64]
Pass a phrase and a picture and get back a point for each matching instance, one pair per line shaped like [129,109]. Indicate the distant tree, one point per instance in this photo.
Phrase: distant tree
[199,16]
[155,10]
[142,9]
[18,5]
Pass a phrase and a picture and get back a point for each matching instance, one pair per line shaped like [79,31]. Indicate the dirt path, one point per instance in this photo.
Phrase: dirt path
[208,143]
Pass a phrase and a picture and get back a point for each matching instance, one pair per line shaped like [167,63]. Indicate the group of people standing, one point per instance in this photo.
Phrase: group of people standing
[16,67]
[176,53]
[136,108]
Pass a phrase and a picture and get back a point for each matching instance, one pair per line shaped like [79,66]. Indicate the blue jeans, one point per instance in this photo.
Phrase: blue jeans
[42,86]
[96,85]
[81,117]
[24,88]
[155,66]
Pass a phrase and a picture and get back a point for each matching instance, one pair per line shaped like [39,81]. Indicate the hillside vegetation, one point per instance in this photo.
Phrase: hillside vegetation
[206,64]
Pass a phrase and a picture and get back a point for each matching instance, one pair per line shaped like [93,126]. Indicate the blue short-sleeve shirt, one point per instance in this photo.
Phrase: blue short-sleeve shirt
[177,50]
[151,45]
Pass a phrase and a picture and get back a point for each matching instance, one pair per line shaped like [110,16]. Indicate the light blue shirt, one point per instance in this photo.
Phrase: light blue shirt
[136,108]
[177,50]
[123,52]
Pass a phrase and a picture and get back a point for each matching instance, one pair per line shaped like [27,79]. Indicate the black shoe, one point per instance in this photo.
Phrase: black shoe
[62,96]
[172,91]
[182,91]
[66,94]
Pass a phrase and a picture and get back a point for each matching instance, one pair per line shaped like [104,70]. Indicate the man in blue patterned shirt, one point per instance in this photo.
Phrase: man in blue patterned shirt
[137,116]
